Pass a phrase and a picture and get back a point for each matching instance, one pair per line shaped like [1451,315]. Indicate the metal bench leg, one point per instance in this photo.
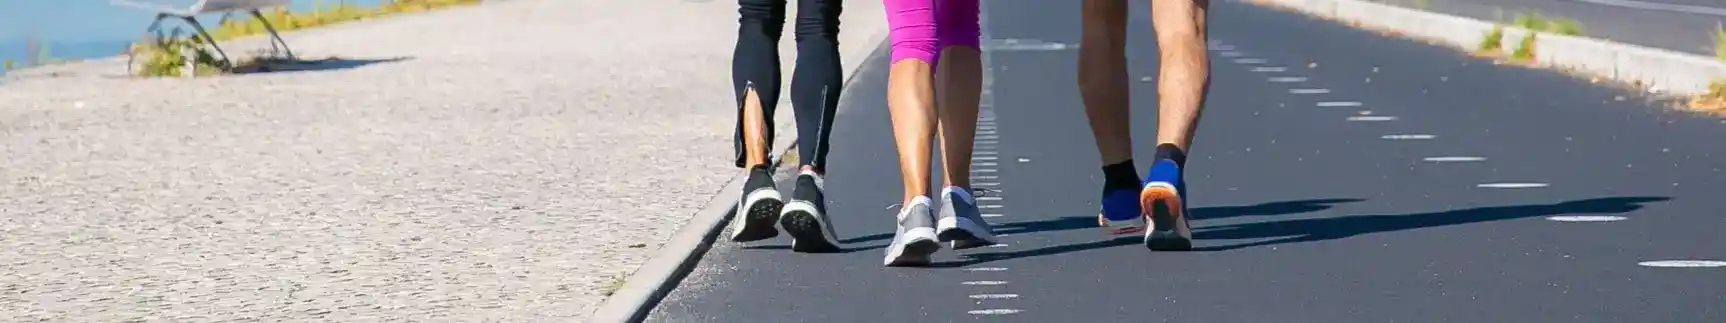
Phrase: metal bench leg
[212,40]
[274,37]
[154,31]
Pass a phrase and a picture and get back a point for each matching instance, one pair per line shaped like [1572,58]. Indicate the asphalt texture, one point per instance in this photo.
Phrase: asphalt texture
[1679,25]
[1305,211]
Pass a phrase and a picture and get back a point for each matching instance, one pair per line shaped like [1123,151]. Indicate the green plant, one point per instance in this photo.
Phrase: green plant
[167,57]
[1525,48]
[8,64]
[1493,41]
[1719,42]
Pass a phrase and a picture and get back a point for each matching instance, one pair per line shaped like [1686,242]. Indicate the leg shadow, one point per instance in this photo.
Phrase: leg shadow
[327,64]
[1310,230]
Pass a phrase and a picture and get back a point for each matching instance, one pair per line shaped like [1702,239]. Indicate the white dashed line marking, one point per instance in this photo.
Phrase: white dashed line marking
[982,152]
[1309,91]
[987,137]
[986,177]
[1250,61]
[997,245]
[1230,54]
[988,198]
[1586,218]
[985,184]
[994,311]
[1453,159]
[983,158]
[989,206]
[1270,69]
[1286,79]
[984,283]
[986,269]
[985,170]
[984,164]
[992,215]
[994,296]
[1014,45]
[1511,185]
[1371,118]
[1407,137]
[987,142]
[1333,104]
[1683,263]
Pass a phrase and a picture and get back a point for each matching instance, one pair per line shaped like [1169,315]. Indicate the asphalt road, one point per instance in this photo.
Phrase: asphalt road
[1680,25]
[1438,198]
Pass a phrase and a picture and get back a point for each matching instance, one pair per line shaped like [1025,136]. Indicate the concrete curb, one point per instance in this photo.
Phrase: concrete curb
[656,278]
[1658,69]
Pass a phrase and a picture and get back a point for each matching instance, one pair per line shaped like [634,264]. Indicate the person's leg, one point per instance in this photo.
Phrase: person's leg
[815,86]
[1103,88]
[911,104]
[1181,88]
[755,80]
[958,87]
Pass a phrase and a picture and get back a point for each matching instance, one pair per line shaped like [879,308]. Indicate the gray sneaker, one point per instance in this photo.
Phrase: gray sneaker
[960,222]
[915,240]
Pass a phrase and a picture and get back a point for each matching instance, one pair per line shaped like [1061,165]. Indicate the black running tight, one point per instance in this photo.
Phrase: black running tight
[815,82]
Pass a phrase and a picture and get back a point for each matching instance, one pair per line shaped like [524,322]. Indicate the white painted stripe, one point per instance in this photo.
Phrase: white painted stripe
[987,137]
[982,152]
[984,164]
[1270,69]
[1221,47]
[986,269]
[1024,160]
[985,177]
[1371,118]
[984,147]
[1683,263]
[1454,159]
[984,157]
[1332,104]
[1701,10]
[985,184]
[1250,61]
[1309,91]
[1230,54]
[1286,79]
[985,170]
[1586,218]
[1511,185]
[992,215]
[996,245]
[994,296]
[1407,137]
[994,311]
[988,198]
[989,206]
[987,142]
[984,283]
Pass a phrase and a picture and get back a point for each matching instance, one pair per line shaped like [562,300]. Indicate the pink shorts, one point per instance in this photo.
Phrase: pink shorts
[919,29]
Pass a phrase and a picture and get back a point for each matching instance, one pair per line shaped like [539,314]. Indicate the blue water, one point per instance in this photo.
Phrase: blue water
[82,29]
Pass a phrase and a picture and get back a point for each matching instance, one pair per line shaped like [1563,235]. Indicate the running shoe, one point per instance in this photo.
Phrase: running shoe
[1121,207]
[960,222]
[915,240]
[805,217]
[758,208]
[1163,201]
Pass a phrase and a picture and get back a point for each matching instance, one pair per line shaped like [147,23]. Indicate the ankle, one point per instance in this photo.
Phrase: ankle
[1173,153]
[1122,175]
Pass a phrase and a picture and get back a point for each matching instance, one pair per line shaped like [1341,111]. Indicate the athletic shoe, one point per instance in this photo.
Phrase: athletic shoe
[1121,207]
[915,240]
[1163,201]
[805,217]
[960,222]
[758,208]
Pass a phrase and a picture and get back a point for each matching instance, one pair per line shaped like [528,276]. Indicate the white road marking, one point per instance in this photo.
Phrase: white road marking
[1511,185]
[1250,61]
[1270,69]
[988,198]
[1309,91]
[1453,159]
[989,206]
[994,311]
[1230,54]
[994,296]
[1286,79]
[980,136]
[1407,137]
[985,184]
[982,152]
[984,164]
[983,158]
[1371,118]
[1586,218]
[1221,47]
[1333,104]
[984,283]
[1701,10]
[1683,263]
[1014,45]
[996,245]
[986,269]
[985,170]
[992,215]
[986,177]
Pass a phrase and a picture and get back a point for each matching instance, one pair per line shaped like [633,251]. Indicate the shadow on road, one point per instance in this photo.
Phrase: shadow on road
[327,64]
[1321,229]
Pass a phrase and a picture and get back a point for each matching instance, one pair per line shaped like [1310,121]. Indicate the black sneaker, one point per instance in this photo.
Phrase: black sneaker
[805,217]
[759,207]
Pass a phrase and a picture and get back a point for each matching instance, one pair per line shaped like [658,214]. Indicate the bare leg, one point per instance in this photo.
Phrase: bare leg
[1103,78]
[911,102]
[754,130]
[1185,72]
[959,87]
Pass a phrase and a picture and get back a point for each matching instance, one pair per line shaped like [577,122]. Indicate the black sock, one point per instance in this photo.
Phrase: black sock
[1170,152]
[1121,176]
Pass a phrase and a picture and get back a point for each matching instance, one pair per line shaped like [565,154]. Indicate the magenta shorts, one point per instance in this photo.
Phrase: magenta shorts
[919,29]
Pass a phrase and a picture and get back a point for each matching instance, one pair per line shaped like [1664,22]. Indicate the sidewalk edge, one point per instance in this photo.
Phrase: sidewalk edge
[1658,70]
[657,277]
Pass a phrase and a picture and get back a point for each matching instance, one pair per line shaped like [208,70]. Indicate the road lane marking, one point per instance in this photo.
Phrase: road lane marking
[1407,137]
[994,296]
[1683,263]
[1250,61]
[1371,118]
[1511,185]
[1270,69]
[1454,159]
[994,311]
[1309,91]
[1586,218]
[985,283]
[1286,79]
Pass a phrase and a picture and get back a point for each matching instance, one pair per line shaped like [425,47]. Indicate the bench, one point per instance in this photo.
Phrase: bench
[165,9]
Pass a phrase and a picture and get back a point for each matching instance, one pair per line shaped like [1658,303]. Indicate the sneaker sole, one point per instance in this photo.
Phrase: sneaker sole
[808,232]
[963,233]
[1167,228]
[760,211]
[920,244]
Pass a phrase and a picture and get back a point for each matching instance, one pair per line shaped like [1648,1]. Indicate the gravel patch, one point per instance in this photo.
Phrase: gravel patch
[497,163]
